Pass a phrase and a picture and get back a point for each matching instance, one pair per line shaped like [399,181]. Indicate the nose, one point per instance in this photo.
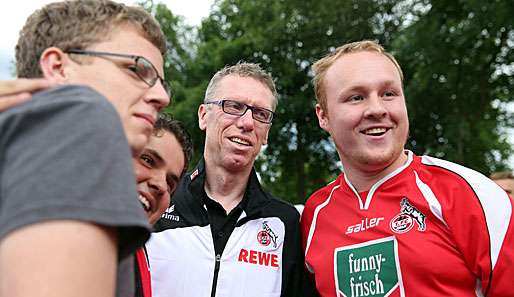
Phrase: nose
[375,107]
[246,121]
[157,96]
[158,184]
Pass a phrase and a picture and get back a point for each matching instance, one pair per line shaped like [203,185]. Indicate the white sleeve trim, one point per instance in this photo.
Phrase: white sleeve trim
[431,199]
[315,217]
[494,201]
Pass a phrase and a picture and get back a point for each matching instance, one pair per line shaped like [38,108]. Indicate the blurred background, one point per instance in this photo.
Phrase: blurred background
[457,57]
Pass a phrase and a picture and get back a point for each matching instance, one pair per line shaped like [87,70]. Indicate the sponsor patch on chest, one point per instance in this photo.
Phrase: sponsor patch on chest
[368,269]
[258,258]
[364,225]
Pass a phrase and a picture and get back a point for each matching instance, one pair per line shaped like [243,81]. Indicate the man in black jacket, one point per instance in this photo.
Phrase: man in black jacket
[223,235]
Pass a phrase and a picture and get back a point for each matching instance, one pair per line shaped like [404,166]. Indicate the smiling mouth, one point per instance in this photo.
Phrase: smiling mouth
[144,202]
[239,141]
[375,131]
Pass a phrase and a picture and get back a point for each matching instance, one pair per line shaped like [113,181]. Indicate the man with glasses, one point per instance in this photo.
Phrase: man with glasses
[68,200]
[223,234]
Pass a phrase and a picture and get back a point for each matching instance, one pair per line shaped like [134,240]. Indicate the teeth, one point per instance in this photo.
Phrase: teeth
[239,140]
[374,131]
[144,202]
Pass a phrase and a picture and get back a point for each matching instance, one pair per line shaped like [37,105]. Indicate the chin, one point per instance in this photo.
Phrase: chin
[381,158]
[237,163]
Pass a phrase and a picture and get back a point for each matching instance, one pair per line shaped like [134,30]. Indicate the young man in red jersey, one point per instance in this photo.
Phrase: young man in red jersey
[393,223]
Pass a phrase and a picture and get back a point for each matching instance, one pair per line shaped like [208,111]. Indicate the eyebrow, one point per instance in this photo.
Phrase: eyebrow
[156,155]
[160,160]
[362,87]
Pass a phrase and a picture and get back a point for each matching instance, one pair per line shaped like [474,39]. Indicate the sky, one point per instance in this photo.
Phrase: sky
[13,18]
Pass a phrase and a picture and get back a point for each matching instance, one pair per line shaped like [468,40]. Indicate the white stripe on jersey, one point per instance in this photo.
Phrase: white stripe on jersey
[431,199]
[493,199]
[315,217]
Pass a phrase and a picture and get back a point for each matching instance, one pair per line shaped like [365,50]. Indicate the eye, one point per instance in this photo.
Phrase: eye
[389,94]
[147,160]
[133,68]
[234,106]
[144,70]
[355,98]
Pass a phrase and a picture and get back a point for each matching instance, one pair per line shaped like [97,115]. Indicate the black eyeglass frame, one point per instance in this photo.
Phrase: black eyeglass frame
[252,108]
[132,67]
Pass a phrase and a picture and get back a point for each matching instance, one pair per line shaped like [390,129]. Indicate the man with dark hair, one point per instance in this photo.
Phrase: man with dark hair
[158,170]
[68,198]
[393,223]
[223,235]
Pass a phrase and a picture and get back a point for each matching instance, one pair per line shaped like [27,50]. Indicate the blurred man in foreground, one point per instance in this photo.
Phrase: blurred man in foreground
[68,197]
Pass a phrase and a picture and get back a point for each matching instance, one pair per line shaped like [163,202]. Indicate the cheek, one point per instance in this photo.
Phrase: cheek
[164,202]
[141,172]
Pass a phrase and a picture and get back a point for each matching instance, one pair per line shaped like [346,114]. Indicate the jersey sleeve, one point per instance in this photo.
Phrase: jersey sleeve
[64,156]
[478,214]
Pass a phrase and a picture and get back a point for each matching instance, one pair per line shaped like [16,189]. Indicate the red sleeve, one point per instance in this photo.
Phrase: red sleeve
[479,216]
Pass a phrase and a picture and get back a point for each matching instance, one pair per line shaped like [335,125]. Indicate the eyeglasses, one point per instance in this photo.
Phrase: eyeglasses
[143,68]
[237,108]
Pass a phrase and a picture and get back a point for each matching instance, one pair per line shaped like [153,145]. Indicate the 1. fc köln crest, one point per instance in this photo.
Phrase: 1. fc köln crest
[407,218]
[266,236]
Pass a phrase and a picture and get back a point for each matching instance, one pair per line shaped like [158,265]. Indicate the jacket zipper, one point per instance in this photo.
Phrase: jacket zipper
[215,277]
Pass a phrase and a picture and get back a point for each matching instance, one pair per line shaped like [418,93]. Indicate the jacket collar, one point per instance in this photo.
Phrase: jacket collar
[254,194]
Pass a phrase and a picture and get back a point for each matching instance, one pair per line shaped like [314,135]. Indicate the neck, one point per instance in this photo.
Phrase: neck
[364,177]
[226,188]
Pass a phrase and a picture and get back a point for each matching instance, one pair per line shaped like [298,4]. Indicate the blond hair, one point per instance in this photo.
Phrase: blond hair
[321,67]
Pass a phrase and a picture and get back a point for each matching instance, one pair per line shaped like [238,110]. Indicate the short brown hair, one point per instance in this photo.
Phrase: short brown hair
[321,67]
[166,122]
[242,69]
[501,175]
[78,24]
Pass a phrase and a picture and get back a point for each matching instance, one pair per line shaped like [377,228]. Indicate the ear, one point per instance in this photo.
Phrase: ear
[202,117]
[53,63]
[322,118]
[265,141]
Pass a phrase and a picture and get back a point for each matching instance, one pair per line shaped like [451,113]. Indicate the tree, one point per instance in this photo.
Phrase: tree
[454,55]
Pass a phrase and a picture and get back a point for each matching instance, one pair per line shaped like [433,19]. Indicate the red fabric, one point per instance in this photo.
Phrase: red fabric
[144,270]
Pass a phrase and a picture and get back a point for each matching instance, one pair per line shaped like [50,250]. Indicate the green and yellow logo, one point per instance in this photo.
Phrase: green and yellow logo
[368,269]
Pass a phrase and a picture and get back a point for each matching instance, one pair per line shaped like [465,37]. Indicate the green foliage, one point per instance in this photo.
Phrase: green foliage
[454,55]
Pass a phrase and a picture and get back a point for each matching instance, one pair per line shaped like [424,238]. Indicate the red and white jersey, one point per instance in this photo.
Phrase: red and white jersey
[430,228]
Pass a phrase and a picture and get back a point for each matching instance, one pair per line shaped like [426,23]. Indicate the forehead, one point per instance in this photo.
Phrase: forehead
[245,89]
[361,68]
[169,149]
[126,39]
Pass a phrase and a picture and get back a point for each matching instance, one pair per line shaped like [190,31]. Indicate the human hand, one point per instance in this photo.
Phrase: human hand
[17,91]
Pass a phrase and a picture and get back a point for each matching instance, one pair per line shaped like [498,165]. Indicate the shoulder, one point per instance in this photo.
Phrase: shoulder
[282,208]
[63,108]
[453,185]
[65,96]
[446,173]
[321,195]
